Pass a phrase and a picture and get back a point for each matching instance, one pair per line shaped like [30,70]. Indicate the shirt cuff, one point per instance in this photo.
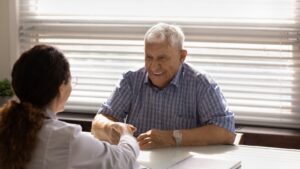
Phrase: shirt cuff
[129,139]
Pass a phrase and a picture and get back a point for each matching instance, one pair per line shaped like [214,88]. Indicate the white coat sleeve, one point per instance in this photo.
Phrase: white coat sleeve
[86,152]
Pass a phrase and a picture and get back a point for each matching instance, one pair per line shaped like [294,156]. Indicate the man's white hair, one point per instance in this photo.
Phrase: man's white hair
[165,32]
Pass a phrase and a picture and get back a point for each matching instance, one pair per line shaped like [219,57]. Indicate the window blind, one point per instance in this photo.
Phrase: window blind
[250,48]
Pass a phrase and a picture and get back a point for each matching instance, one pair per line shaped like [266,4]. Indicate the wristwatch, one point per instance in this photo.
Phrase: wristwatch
[177,135]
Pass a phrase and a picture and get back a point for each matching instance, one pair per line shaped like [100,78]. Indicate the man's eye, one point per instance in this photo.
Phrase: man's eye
[162,59]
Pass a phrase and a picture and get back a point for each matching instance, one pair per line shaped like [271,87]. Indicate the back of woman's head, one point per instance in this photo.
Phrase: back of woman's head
[38,73]
[36,78]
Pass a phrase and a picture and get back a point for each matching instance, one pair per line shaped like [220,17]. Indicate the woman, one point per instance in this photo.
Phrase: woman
[31,137]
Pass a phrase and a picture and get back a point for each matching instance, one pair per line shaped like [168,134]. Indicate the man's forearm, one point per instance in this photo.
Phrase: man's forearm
[206,135]
[201,136]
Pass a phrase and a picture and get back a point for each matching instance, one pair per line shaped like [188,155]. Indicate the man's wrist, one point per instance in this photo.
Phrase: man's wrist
[177,135]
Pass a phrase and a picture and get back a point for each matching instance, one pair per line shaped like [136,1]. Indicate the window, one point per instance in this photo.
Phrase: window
[250,48]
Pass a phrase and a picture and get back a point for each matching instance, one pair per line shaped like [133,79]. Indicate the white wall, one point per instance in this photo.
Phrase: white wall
[4,40]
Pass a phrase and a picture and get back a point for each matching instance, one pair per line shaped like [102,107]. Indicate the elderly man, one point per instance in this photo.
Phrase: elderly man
[167,101]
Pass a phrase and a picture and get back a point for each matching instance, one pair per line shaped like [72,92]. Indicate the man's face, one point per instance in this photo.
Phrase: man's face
[162,62]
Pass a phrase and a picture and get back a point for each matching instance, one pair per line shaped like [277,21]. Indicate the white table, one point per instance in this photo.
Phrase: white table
[251,157]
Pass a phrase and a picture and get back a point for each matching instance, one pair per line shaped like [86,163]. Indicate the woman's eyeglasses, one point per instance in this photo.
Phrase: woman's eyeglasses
[74,81]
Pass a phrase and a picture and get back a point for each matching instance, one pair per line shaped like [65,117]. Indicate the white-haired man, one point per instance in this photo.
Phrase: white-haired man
[167,101]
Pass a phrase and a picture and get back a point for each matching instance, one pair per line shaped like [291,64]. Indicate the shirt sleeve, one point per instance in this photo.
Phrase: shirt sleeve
[214,108]
[118,104]
[88,152]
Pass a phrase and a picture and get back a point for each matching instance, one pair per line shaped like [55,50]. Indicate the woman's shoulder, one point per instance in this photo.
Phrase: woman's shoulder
[61,129]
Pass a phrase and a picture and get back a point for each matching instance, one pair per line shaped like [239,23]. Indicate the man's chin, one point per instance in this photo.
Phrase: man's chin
[158,84]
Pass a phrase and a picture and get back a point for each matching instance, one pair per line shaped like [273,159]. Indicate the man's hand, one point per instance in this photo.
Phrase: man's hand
[156,139]
[110,131]
[116,129]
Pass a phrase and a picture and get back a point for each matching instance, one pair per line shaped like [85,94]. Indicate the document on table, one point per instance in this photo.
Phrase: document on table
[161,158]
[207,163]
[177,159]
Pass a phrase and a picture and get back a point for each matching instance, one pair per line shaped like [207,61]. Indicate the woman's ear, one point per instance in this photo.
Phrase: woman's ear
[54,105]
[61,89]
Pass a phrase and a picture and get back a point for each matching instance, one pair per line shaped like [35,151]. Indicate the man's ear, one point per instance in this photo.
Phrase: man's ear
[183,54]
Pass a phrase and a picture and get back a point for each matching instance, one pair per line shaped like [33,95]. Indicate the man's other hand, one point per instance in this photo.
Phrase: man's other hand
[155,139]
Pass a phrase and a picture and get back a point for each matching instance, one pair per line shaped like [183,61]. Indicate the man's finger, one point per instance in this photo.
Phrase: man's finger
[144,141]
[147,145]
[132,128]
[142,136]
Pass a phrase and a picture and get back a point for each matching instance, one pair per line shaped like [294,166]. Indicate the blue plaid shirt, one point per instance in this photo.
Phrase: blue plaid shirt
[192,99]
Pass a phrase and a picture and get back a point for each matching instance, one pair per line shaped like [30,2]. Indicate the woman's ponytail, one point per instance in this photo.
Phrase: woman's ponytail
[19,125]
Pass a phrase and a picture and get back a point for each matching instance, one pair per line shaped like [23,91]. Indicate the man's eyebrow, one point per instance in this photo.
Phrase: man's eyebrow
[162,55]
[149,56]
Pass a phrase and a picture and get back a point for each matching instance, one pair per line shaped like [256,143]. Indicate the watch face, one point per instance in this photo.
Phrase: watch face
[177,136]
[177,133]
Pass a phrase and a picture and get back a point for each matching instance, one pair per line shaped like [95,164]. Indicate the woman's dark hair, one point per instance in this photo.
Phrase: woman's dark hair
[36,77]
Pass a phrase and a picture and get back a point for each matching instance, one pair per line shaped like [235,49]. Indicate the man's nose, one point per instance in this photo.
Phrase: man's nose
[155,65]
